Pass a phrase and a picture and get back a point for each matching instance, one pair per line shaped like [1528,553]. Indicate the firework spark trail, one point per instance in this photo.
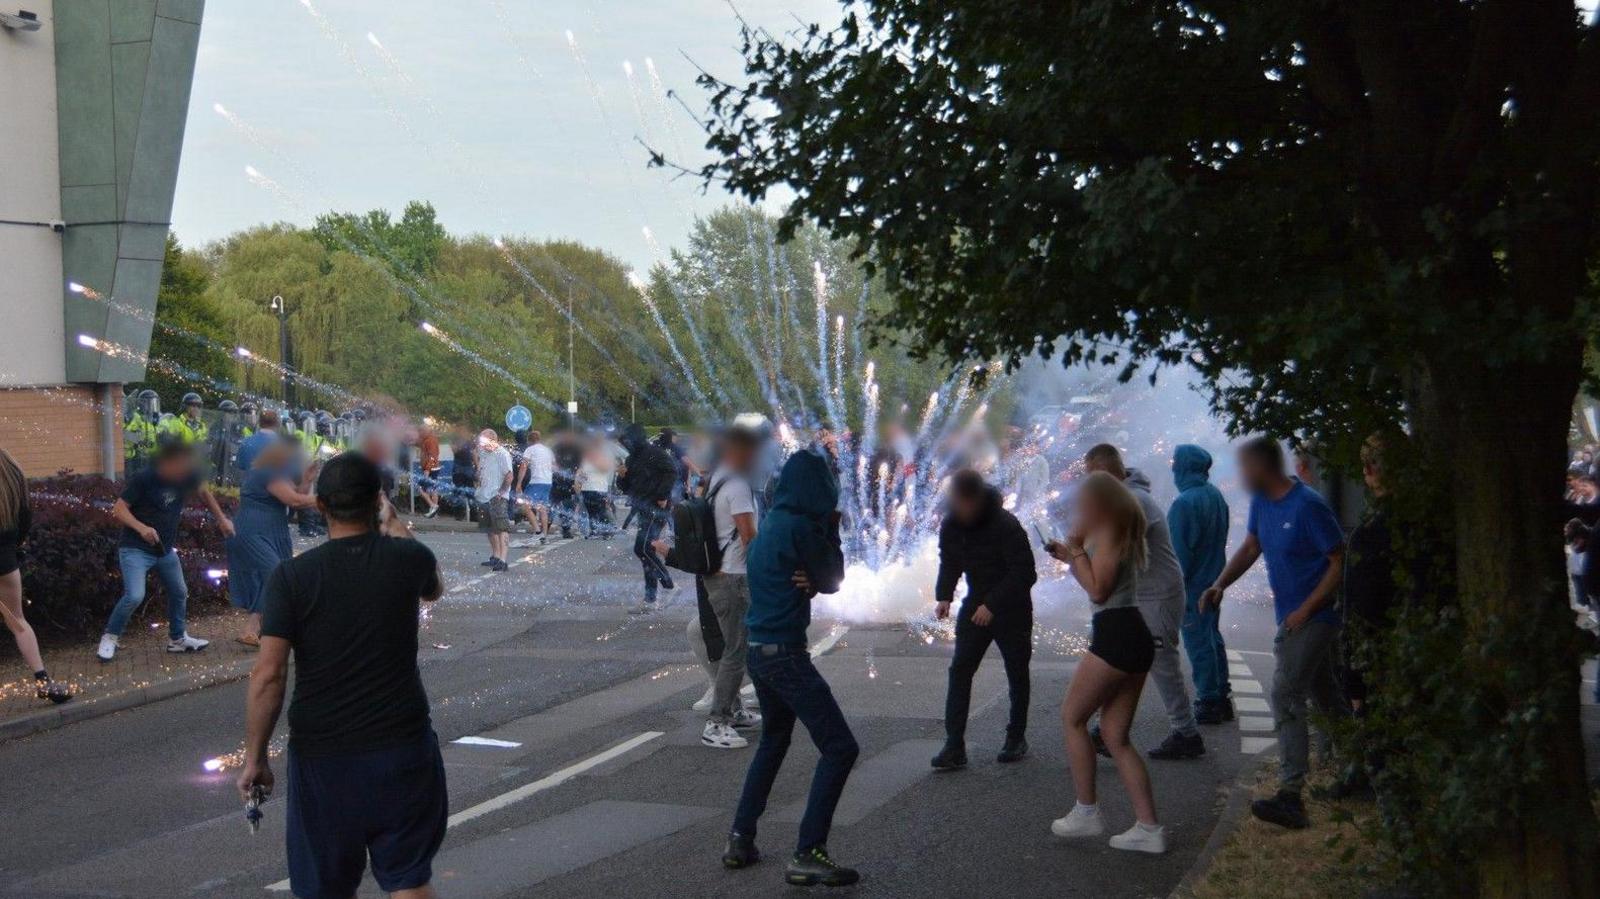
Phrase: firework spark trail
[638,103]
[349,54]
[599,98]
[672,345]
[517,44]
[688,321]
[861,317]
[780,261]
[577,327]
[838,366]
[766,322]
[508,377]
[249,357]
[740,331]
[658,92]
[819,288]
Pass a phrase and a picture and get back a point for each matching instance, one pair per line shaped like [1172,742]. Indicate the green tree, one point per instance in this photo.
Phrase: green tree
[1346,214]
[189,330]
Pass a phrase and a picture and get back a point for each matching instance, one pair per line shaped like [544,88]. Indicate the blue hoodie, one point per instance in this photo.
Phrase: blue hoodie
[798,534]
[1198,521]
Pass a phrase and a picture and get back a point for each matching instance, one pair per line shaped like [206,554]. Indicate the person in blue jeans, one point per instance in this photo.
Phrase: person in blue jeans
[1198,523]
[795,556]
[149,509]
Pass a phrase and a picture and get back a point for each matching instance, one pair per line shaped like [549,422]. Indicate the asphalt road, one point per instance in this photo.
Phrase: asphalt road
[607,790]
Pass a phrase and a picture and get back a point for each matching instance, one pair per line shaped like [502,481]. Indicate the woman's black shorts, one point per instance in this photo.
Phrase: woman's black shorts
[1121,639]
[8,560]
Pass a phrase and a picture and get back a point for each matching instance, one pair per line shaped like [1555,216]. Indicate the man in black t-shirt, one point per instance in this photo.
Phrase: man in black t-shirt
[149,510]
[365,775]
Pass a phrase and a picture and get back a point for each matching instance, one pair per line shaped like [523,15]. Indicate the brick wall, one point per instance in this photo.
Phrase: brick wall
[47,429]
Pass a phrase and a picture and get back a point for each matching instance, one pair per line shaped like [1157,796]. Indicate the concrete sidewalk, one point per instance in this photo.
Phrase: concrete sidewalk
[143,671]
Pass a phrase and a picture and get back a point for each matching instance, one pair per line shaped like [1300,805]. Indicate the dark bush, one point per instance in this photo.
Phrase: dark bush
[70,577]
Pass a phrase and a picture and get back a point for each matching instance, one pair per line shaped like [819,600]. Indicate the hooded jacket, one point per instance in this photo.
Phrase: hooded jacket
[1198,521]
[798,534]
[651,472]
[1161,581]
[994,554]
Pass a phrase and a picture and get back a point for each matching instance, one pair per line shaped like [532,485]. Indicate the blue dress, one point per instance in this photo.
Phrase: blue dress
[261,538]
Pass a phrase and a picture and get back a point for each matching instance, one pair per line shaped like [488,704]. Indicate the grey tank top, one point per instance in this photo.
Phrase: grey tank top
[1123,593]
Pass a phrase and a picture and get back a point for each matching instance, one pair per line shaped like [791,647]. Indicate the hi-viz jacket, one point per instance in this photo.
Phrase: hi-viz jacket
[312,442]
[139,437]
[188,431]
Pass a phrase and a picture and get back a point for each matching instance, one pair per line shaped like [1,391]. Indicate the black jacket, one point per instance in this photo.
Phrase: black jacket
[651,473]
[996,558]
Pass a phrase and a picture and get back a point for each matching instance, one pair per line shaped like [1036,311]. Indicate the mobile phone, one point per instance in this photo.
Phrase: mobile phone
[252,808]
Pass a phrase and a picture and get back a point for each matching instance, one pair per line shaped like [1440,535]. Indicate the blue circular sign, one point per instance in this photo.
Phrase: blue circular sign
[518,418]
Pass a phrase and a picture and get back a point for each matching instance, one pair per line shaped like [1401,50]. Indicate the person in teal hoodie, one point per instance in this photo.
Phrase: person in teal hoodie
[1198,522]
[795,555]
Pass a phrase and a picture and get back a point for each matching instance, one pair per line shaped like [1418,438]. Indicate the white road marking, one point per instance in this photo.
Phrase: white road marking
[1256,745]
[1235,655]
[1255,723]
[486,741]
[1238,670]
[1251,704]
[538,786]
[1246,686]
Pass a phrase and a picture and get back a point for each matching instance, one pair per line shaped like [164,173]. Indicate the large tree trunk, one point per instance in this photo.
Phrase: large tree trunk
[1502,433]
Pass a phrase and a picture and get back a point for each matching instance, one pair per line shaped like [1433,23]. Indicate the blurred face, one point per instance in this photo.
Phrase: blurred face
[1254,473]
[966,509]
[176,468]
[738,455]
[1091,511]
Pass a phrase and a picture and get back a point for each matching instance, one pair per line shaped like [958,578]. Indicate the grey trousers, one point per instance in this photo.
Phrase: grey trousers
[1305,670]
[1165,620]
[729,596]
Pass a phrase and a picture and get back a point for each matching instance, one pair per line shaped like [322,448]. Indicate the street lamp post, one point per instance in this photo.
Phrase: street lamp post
[282,309]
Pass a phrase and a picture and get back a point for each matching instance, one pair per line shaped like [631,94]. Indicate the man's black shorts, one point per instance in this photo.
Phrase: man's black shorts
[388,803]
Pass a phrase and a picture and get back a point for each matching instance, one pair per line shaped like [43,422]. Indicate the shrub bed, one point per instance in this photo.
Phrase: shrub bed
[70,577]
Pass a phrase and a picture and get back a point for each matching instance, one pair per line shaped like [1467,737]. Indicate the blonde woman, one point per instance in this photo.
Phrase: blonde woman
[15,518]
[1106,552]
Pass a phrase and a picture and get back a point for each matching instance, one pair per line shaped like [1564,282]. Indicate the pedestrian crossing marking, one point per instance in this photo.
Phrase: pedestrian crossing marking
[1256,745]
[1237,670]
[1254,723]
[1246,686]
[1235,655]
[1251,704]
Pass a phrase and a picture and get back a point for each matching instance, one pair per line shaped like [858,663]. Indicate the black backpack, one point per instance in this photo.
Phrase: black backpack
[696,548]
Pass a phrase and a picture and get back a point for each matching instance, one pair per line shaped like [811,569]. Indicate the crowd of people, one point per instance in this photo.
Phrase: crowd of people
[757,519]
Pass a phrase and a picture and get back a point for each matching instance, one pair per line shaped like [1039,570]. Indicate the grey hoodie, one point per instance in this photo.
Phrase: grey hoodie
[1161,582]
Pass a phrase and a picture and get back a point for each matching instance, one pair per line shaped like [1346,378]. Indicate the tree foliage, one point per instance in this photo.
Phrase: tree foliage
[1346,215]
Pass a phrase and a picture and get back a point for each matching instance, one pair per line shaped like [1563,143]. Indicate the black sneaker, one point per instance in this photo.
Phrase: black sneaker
[809,868]
[1285,810]
[1223,710]
[1014,750]
[53,691]
[1178,746]
[741,852]
[952,757]
[489,562]
[1099,741]
[500,565]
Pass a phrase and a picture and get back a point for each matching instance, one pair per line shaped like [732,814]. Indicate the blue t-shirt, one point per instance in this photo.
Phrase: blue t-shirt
[157,503]
[252,446]
[1296,534]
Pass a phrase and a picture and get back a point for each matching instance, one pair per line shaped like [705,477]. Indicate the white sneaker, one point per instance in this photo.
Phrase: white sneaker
[721,736]
[187,643]
[744,719]
[1139,838]
[1079,823]
[642,608]
[703,704]
[108,647]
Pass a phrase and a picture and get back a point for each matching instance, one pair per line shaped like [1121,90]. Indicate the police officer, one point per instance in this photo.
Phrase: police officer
[189,428]
[139,429]
[248,421]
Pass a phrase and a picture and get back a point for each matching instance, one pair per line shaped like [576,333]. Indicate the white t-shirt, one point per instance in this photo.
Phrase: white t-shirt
[733,499]
[593,478]
[493,466]
[541,463]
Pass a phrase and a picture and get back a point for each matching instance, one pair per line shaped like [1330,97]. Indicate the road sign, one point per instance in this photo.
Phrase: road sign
[518,418]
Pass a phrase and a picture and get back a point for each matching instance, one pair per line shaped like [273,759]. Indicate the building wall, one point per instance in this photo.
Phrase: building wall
[47,429]
[32,346]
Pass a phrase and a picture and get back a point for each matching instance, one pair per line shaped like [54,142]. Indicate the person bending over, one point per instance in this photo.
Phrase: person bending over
[366,780]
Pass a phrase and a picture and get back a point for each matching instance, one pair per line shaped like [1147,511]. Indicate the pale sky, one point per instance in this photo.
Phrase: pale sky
[478,106]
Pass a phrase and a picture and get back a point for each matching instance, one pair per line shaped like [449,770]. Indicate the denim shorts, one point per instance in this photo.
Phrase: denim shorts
[389,804]
[538,494]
